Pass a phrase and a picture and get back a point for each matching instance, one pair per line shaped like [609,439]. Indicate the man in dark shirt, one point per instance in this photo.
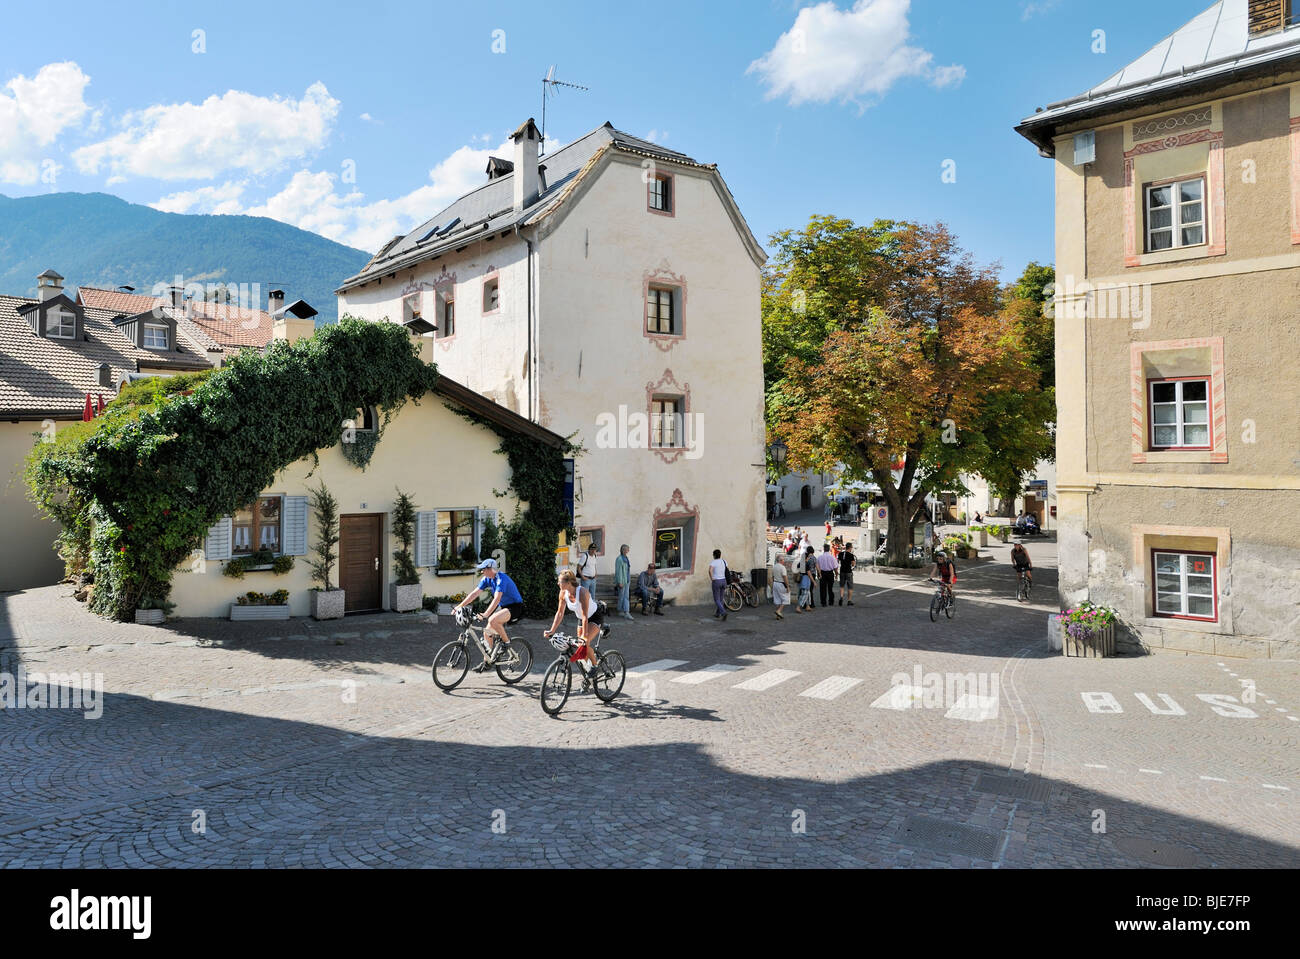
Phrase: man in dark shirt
[647,586]
[848,562]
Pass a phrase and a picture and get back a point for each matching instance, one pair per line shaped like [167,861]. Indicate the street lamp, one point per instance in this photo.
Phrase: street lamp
[778,451]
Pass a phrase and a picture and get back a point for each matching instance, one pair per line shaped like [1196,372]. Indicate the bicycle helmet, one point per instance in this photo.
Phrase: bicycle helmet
[940,554]
[560,642]
[463,616]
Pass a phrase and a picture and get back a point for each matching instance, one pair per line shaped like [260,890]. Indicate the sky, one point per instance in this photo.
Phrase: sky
[361,120]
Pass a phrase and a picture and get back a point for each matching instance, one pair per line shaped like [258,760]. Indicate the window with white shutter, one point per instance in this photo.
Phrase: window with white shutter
[217,544]
[426,538]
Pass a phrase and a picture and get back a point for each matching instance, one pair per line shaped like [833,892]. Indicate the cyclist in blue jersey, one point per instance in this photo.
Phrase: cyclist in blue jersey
[507,606]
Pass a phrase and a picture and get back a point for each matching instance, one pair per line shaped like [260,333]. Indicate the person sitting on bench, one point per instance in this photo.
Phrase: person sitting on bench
[647,587]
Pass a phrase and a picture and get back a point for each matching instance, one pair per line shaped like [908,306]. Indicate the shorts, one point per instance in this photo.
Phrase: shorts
[846,580]
[516,611]
[598,617]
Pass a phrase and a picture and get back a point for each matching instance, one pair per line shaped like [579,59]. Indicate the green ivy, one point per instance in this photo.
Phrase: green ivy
[237,567]
[360,447]
[137,488]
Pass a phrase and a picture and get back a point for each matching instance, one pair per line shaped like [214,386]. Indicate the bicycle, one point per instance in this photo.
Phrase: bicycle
[739,593]
[941,602]
[1022,591]
[451,662]
[605,679]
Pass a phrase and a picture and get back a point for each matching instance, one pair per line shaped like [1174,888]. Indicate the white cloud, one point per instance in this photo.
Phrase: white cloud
[34,112]
[236,131]
[856,54]
[1034,7]
[316,201]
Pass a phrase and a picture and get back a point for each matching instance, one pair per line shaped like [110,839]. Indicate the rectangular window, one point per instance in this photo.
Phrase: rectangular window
[491,295]
[1180,414]
[256,527]
[592,536]
[448,325]
[666,422]
[1185,585]
[61,325]
[661,193]
[660,310]
[669,548]
[456,539]
[155,337]
[1175,214]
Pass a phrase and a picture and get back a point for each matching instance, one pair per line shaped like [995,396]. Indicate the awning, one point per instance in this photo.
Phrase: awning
[419,326]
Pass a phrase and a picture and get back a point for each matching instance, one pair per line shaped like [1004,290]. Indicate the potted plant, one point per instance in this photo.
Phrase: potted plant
[959,543]
[442,605]
[404,593]
[1088,631]
[982,532]
[253,606]
[326,602]
[151,612]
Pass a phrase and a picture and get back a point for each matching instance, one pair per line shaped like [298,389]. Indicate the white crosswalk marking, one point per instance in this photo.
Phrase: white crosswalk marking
[974,709]
[709,672]
[899,697]
[773,677]
[656,666]
[831,688]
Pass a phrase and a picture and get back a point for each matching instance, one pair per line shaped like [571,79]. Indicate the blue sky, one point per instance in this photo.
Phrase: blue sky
[359,120]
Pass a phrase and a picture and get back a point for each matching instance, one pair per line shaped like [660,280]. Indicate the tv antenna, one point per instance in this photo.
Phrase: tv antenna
[549,84]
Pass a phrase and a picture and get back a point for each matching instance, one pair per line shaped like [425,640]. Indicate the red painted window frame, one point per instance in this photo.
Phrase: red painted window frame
[1155,585]
[1208,380]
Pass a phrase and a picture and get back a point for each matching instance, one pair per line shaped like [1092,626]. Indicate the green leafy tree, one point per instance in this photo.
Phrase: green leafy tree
[326,510]
[403,519]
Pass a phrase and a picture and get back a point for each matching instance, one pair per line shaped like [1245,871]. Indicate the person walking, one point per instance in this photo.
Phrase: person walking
[848,562]
[623,581]
[587,568]
[826,566]
[780,586]
[810,569]
[805,583]
[718,576]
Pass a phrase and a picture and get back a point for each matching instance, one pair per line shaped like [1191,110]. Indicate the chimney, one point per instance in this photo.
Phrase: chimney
[274,301]
[497,168]
[176,296]
[48,285]
[525,173]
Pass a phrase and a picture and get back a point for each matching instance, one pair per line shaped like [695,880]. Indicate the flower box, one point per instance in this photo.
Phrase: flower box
[404,599]
[251,613]
[1099,644]
[150,617]
[328,604]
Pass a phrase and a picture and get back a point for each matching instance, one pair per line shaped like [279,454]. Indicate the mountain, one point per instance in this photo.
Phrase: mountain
[94,239]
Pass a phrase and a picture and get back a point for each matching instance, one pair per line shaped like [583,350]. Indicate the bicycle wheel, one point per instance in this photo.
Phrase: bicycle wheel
[947,607]
[934,608]
[607,679]
[516,661]
[1027,587]
[555,686]
[751,594]
[732,597]
[450,665]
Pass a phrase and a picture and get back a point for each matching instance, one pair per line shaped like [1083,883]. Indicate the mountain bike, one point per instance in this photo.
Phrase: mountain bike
[739,593]
[605,679]
[451,663]
[941,602]
[1022,592]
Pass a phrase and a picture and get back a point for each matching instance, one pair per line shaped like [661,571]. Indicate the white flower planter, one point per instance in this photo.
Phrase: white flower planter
[251,613]
[149,617]
[983,537]
[328,605]
[404,599]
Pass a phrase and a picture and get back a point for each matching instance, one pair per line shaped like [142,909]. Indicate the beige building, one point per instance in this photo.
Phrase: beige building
[608,291]
[1178,264]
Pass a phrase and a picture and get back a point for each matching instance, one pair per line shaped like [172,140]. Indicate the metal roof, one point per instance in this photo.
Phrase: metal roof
[1210,49]
[490,208]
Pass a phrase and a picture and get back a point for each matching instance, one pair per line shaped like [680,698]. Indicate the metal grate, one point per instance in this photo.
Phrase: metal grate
[939,835]
[1155,852]
[1033,790]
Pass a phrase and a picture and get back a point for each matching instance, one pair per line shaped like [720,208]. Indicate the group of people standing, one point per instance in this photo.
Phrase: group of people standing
[809,569]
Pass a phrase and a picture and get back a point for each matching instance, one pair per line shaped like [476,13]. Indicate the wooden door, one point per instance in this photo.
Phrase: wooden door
[360,552]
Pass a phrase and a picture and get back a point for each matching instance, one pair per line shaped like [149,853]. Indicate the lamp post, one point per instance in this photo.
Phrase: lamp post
[778,451]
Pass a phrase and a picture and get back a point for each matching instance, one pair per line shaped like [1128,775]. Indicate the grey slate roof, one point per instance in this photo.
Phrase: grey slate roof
[44,377]
[1213,47]
[490,207]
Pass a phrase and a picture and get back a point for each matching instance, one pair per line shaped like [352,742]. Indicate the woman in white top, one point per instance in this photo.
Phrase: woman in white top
[576,597]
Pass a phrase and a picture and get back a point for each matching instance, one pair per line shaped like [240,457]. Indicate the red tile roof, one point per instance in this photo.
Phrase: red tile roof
[228,325]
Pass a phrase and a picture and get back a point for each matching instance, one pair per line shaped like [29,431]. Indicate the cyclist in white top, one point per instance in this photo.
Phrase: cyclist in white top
[575,596]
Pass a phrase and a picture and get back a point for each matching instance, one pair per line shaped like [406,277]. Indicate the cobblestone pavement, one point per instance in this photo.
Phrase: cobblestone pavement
[833,738]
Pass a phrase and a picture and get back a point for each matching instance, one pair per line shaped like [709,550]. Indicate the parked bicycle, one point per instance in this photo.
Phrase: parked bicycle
[605,679]
[738,592]
[451,663]
[941,602]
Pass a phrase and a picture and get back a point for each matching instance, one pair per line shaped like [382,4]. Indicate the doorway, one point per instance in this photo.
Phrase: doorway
[805,498]
[360,549]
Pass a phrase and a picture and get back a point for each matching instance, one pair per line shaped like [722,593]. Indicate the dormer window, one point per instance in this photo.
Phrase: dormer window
[155,337]
[60,325]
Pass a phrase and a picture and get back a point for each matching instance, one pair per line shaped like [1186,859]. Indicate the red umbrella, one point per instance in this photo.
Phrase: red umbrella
[101,404]
[88,413]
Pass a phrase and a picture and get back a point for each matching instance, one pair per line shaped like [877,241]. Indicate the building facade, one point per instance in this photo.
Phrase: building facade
[1178,265]
[608,292]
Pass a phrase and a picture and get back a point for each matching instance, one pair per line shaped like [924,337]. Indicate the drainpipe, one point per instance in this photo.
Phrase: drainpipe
[532,352]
